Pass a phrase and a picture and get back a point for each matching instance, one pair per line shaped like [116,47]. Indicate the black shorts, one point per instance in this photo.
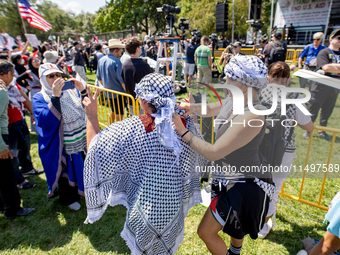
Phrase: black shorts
[241,208]
[118,105]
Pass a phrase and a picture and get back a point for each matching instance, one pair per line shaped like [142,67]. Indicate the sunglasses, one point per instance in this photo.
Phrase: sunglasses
[316,39]
[36,61]
[51,76]
[338,37]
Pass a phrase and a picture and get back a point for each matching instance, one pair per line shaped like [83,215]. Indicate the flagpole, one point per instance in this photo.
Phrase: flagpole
[23,24]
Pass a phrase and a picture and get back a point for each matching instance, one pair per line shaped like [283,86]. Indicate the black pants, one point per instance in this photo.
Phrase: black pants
[9,195]
[67,194]
[304,81]
[323,97]
[19,139]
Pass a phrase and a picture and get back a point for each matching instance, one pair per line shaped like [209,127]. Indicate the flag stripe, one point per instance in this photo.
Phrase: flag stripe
[32,16]
[30,13]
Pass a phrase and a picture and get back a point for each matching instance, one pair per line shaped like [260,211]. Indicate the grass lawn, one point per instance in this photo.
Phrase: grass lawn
[54,229]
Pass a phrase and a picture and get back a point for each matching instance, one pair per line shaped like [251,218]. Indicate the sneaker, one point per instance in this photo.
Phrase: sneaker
[26,185]
[325,135]
[306,135]
[21,212]
[302,252]
[266,229]
[75,206]
[32,172]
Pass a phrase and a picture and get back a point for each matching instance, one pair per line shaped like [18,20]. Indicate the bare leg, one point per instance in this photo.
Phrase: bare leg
[112,117]
[189,80]
[208,232]
[327,245]
[119,117]
[267,218]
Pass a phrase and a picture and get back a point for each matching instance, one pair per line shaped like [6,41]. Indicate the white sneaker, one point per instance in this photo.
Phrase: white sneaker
[75,206]
[265,230]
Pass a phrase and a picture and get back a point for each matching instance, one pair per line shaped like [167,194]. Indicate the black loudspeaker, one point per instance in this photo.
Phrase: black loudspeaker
[221,16]
[255,10]
[222,44]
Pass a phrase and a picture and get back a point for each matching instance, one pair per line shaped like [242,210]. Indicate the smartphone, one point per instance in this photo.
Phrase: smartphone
[68,85]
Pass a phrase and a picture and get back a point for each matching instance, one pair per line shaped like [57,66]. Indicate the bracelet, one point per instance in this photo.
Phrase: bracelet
[83,94]
[185,133]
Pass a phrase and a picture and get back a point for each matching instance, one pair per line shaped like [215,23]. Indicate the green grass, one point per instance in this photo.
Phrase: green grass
[54,229]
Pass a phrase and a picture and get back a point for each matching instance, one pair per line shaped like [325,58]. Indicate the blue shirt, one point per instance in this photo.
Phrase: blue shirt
[310,53]
[109,71]
[190,53]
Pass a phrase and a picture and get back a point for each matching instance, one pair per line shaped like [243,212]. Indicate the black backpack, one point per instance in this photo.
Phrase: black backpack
[272,146]
[93,62]
[277,53]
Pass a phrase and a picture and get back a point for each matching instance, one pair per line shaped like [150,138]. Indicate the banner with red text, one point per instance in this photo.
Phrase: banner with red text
[301,12]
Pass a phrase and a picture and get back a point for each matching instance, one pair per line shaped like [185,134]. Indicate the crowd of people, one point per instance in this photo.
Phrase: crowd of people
[147,163]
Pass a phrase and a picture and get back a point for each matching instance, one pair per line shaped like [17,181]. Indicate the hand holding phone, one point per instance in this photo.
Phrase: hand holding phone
[68,85]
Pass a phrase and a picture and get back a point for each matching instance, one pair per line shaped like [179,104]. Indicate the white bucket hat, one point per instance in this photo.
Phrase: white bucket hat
[50,57]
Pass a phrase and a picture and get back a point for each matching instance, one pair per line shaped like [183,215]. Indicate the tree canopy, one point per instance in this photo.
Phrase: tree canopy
[60,20]
[119,14]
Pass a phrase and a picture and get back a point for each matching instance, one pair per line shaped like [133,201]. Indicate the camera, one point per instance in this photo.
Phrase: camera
[196,33]
[169,9]
[213,37]
[182,26]
[257,26]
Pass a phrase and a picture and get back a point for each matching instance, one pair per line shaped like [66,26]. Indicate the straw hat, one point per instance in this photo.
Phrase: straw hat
[116,43]
[50,57]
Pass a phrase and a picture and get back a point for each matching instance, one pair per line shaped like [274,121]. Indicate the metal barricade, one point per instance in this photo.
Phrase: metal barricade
[299,198]
[247,51]
[297,54]
[290,57]
[106,104]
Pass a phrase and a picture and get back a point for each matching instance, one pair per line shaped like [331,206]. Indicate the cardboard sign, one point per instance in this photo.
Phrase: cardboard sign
[33,40]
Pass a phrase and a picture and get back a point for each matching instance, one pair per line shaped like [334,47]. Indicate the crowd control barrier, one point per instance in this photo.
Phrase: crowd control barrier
[322,188]
[292,56]
[105,97]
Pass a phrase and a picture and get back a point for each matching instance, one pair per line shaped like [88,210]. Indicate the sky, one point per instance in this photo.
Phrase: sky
[77,6]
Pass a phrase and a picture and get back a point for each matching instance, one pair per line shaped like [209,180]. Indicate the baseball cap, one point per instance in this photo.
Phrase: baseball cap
[235,44]
[47,69]
[278,35]
[318,35]
[334,33]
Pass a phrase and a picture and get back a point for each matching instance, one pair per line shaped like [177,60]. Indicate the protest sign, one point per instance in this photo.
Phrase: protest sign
[301,12]
[33,40]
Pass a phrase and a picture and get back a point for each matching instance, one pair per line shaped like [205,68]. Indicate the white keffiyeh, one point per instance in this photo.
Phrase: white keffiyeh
[73,117]
[158,90]
[248,70]
[126,165]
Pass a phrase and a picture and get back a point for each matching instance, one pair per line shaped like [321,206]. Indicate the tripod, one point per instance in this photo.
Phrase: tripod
[163,46]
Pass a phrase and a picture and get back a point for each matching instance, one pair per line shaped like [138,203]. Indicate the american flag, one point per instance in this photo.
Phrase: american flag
[32,16]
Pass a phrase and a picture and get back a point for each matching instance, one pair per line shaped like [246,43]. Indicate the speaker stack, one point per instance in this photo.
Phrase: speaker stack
[221,16]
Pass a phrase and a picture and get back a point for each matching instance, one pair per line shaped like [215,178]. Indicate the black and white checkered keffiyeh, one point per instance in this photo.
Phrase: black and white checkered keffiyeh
[248,70]
[126,165]
[73,117]
[266,96]
[158,90]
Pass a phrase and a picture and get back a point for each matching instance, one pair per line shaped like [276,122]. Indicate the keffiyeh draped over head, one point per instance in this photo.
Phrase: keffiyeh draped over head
[72,111]
[158,90]
[248,70]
